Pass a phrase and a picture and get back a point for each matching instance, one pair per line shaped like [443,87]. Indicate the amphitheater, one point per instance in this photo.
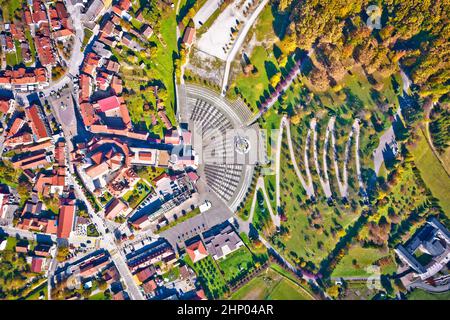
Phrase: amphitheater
[228,155]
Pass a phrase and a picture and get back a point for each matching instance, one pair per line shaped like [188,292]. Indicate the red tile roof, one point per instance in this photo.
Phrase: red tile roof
[189,35]
[109,103]
[60,153]
[88,114]
[15,127]
[116,208]
[37,125]
[65,221]
[196,251]
[36,265]
[4,105]
[149,286]
[62,33]
[145,273]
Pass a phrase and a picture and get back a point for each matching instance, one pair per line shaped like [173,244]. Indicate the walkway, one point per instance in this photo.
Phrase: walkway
[342,184]
[261,186]
[362,189]
[324,183]
[309,188]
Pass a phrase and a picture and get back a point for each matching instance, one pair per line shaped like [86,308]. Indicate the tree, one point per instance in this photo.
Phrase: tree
[333,291]
[102,285]
[62,253]
[283,5]
[275,79]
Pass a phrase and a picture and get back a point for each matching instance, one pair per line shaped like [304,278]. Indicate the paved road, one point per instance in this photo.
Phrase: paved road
[77,55]
[109,244]
[3,135]
[51,272]
[387,137]
[238,43]
[427,287]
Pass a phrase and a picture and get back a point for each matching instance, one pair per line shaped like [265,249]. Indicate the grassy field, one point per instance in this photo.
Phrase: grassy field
[152,66]
[135,196]
[163,62]
[31,44]
[9,7]
[262,57]
[253,86]
[237,264]
[314,229]
[261,218]
[363,257]
[432,172]
[87,35]
[419,294]
[99,296]
[38,291]
[271,285]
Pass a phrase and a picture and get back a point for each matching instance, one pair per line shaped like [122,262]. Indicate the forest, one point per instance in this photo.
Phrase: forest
[413,35]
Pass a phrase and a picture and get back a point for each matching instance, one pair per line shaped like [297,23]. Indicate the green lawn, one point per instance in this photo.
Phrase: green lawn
[432,172]
[314,229]
[11,244]
[9,7]
[87,35]
[364,257]
[237,264]
[271,285]
[287,290]
[162,64]
[32,47]
[11,59]
[135,196]
[92,231]
[253,86]
[39,291]
[173,274]
[261,218]
[99,296]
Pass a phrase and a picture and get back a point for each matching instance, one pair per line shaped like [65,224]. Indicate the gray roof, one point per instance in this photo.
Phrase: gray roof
[217,238]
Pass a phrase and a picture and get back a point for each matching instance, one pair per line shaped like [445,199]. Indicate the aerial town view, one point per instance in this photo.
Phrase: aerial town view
[224,150]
